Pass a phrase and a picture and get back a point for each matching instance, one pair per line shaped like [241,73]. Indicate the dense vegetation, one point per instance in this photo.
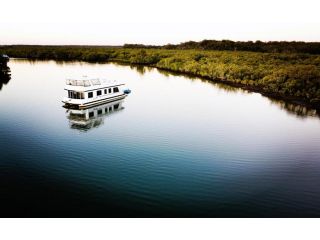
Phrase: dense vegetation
[258,46]
[4,71]
[292,76]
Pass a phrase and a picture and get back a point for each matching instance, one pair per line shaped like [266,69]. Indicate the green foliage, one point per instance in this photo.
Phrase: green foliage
[294,75]
[258,46]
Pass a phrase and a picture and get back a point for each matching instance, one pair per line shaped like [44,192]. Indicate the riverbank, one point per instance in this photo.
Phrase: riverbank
[271,95]
[293,77]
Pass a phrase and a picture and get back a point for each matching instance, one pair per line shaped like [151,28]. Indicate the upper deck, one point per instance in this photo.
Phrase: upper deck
[85,84]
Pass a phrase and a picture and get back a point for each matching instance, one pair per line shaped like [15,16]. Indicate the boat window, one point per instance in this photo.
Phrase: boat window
[90,94]
[110,109]
[99,111]
[106,110]
[71,94]
[91,114]
[115,89]
[98,92]
[109,90]
[105,91]
[75,95]
[116,106]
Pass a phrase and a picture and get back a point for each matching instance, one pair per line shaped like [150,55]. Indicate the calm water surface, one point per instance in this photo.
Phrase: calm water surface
[174,147]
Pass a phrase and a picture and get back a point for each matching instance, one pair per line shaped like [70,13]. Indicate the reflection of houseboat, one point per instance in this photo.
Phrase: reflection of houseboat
[85,119]
[86,92]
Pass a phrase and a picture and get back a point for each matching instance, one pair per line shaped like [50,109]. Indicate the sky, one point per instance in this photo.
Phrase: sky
[158,22]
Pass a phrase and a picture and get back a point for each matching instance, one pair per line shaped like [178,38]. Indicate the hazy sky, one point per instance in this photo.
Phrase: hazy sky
[156,21]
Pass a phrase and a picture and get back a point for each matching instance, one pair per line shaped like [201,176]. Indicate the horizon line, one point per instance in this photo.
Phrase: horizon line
[159,45]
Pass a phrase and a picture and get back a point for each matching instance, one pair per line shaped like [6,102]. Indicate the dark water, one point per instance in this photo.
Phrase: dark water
[174,147]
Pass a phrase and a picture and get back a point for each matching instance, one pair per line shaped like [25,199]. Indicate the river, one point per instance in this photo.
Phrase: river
[175,147]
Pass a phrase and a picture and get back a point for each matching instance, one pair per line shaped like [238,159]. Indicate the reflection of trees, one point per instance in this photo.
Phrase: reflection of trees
[4,71]
[225,87]
[291,108]
[296,109]
[141,69]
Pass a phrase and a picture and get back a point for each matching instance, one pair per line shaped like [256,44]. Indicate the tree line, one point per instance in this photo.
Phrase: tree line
[257,46]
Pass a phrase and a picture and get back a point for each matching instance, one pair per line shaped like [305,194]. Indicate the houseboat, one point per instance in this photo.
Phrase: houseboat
[5,75]
[4,57]
[86,119]
[84,93]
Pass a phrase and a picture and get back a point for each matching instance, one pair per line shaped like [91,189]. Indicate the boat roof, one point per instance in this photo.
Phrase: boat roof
[84,81]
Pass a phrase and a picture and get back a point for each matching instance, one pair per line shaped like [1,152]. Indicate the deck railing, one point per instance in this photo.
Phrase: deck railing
[84,83]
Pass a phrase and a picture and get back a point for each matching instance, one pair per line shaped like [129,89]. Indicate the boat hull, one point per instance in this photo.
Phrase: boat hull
[93,103]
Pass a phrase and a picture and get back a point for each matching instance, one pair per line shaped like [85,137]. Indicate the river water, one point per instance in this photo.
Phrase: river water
[175,147]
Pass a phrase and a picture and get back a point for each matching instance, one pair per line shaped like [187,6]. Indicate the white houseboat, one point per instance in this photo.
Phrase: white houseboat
[85,92]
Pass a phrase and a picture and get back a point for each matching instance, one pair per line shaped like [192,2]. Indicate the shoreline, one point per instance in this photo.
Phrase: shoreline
[255,89]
